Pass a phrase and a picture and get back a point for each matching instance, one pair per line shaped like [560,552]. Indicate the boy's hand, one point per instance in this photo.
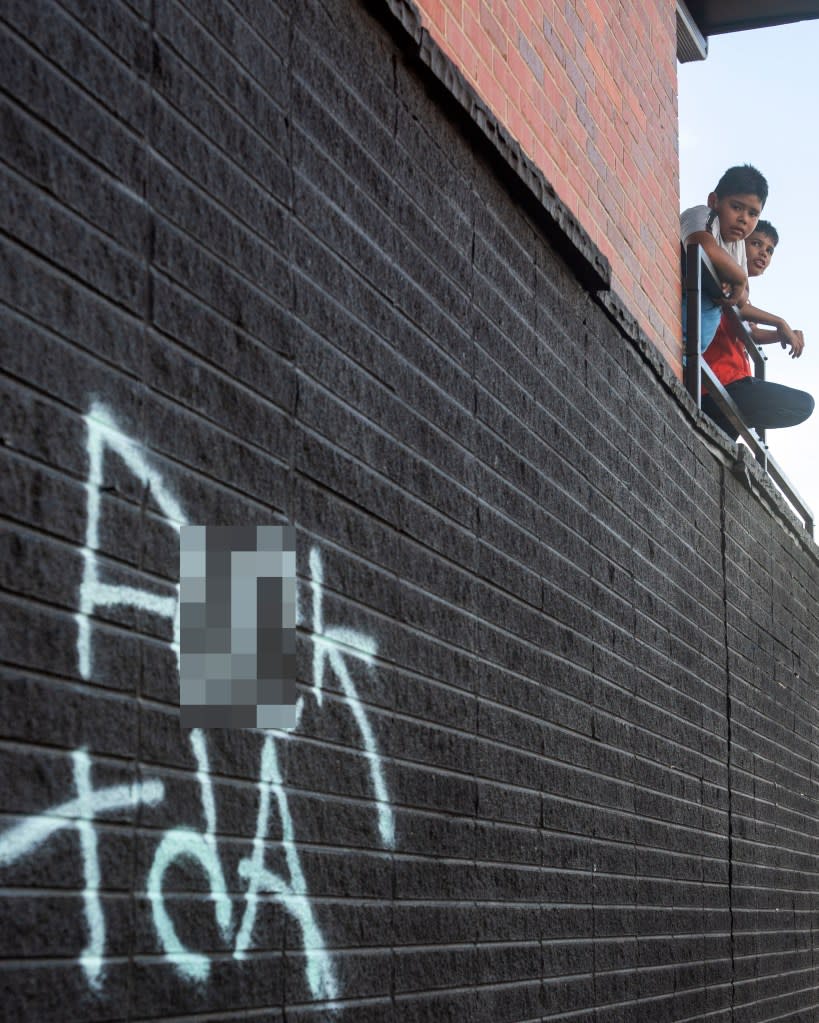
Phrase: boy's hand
[735,294]
[744,297]
[794,338]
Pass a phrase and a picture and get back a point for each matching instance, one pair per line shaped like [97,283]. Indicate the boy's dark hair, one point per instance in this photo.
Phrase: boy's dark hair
[766,227]
[744,180]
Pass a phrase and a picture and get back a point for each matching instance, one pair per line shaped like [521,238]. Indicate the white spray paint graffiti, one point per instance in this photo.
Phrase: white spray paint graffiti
[332,645]
[293,894]
[80,813]
[103,433]
[184,842]
[329,646]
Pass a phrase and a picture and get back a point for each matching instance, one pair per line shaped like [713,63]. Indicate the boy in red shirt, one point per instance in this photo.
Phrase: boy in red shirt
[763,405]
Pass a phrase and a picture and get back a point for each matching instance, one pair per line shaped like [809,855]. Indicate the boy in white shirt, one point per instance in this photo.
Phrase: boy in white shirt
[721,227]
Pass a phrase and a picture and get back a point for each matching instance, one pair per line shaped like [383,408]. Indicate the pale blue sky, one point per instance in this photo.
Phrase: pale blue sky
[756,100]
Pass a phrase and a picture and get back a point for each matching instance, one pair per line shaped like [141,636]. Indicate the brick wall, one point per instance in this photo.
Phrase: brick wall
[557,753]
[589,90]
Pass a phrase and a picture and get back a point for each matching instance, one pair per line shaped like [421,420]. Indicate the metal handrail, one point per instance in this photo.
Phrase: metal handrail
[700,276]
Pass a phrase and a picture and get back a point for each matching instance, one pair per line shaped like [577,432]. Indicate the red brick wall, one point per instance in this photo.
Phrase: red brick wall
[589,89]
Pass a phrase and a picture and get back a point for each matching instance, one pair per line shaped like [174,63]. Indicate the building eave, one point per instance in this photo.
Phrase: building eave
[715,17]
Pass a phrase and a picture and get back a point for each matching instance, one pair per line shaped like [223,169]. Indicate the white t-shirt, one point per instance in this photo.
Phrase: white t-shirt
[696,218]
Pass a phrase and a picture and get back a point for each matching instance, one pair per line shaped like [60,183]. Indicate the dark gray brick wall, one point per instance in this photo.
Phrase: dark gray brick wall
[557,752]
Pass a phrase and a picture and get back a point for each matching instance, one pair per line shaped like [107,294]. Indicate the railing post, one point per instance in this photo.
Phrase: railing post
[762,452]
[759,373]
[693,330]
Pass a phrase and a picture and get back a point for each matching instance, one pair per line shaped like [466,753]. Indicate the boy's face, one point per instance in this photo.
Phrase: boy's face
[737,214]
[759,248]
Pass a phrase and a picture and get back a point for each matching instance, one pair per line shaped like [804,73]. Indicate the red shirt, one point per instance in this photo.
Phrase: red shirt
[727,356]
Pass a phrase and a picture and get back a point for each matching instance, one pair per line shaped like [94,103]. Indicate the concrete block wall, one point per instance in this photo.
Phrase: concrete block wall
[556,755]
[589,90]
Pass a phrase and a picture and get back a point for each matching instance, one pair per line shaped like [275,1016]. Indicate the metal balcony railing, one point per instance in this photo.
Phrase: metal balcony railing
[700,276]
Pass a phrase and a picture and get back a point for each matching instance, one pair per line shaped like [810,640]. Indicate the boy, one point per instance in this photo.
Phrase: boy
[760,246]
[721,227]
[763,405]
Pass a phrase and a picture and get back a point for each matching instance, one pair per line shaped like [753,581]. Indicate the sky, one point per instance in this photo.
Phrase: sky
[755,99]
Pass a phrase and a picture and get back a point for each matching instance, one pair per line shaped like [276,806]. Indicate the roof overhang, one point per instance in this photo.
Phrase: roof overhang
[714,17]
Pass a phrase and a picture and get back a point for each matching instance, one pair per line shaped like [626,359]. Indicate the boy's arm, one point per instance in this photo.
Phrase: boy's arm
[782,332]
[728,270]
